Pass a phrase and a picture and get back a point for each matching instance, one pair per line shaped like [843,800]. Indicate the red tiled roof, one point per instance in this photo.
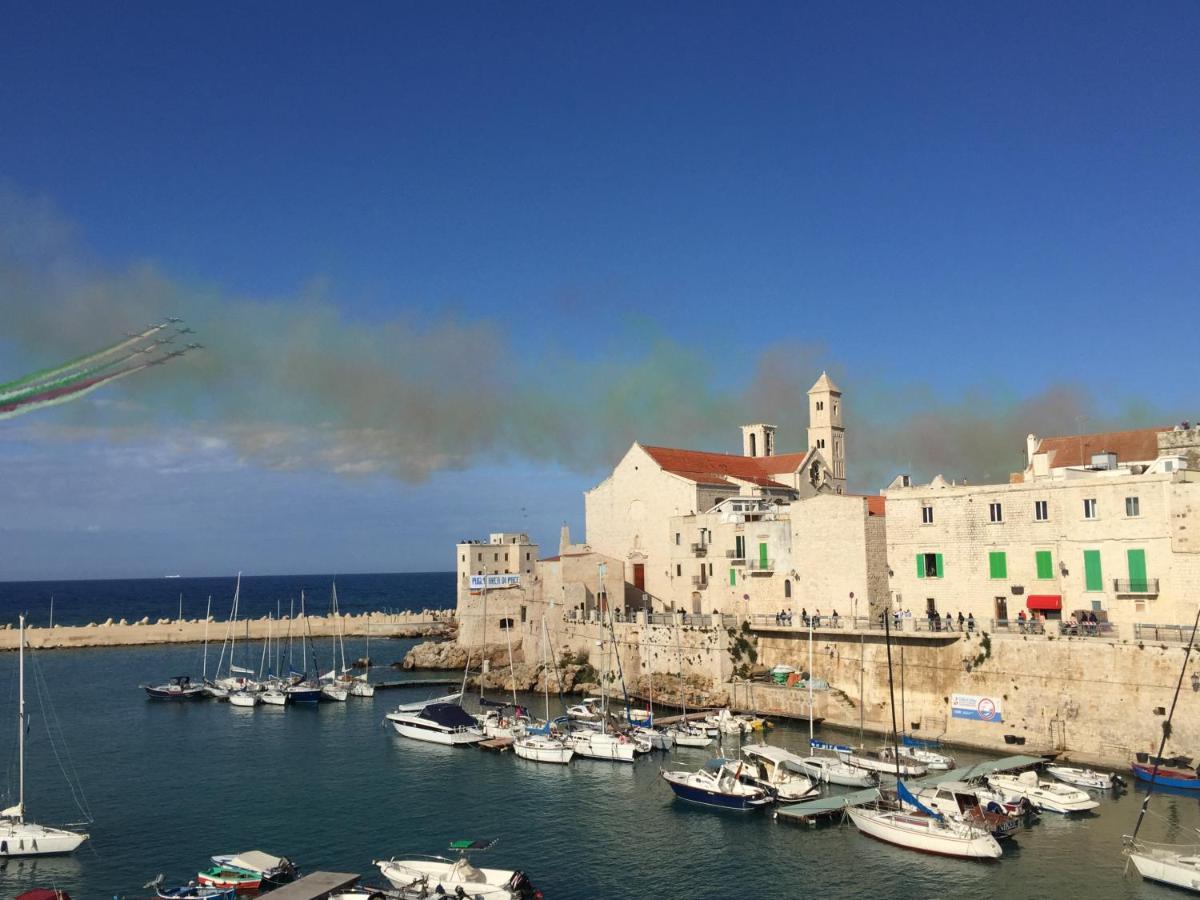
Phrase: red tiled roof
[716,468]
[1137,445]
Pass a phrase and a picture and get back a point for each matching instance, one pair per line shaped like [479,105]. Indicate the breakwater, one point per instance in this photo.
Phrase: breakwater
[121,633]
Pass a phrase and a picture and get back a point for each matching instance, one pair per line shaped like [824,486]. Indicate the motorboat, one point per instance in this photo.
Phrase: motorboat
[191,891]
[543,748]
[19,837]
[720,783]
[274,695]
[1179,778]
[601,745]
[506,722]
[782,770]
[243,698]
[249,871]
[180,687]
[884,761]
[834,770]
[658,739]
[437,876]
[299,691]
[925,752]
[1045,795]
[1084,778]
[926,833]
[1173,864]
[438,723]
[957,800]
[685,734]
[43,894]
[419,705]
[725,722]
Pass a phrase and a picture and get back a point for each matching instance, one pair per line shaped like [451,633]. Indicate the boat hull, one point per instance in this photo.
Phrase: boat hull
[27,839]
[434,736]
[1168,869]
[716,799]
[161,693]
[890,828]
[602,746]
[1173,778]
[543,751]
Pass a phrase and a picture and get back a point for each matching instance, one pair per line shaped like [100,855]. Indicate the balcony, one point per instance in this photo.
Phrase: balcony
[699,581]
[700,549]
[734,559]
[760,566]
[1136,587]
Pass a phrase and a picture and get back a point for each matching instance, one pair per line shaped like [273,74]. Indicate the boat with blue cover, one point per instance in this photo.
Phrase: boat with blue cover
[438,723]
[721,783]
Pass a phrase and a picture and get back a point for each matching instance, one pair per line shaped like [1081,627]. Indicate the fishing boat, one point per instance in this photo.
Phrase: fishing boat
[926,833]
[782,770]
[1180,779]
[719,783]
[180,687]
[958,801]
[19,837]
[421,704]
[438,723]
[249,871]
[1045,795]
[1084,778]
[437,876]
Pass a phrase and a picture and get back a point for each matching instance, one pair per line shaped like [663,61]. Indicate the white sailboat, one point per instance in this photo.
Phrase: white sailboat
[360,684]
[335,684]
[548,747]
[19,837]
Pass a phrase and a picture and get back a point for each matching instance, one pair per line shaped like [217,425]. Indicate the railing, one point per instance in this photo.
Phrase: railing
[1175,633]
[798,622]
[699,581]
[734,559]
[700,549]
[1055,626]
[760,565]
[1145,586]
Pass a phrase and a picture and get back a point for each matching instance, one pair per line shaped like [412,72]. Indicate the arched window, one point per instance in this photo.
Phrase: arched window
[787,588]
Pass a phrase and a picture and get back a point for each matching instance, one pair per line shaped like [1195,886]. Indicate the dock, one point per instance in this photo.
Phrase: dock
[807,812]
[415,683]
[316,886]
[496,745]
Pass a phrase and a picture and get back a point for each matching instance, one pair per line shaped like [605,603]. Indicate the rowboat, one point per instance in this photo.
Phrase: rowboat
[1183,779]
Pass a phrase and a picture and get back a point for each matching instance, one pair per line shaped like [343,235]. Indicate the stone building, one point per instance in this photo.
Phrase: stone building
[1096,523]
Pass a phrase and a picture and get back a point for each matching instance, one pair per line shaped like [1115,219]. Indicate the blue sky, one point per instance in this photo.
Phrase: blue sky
[940,203]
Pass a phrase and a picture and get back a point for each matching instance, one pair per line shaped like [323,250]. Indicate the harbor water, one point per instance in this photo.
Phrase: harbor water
[170,784]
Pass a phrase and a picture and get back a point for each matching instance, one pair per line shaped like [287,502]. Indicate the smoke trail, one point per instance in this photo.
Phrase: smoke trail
[36,378]
[74,391]
[74,377]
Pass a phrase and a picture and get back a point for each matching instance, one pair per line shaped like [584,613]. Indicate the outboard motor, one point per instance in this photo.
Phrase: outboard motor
[522,887]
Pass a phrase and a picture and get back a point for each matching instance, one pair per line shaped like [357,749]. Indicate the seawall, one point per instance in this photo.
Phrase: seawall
[426,623]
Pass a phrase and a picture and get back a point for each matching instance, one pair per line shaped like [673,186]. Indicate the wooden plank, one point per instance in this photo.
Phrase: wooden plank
[315,886]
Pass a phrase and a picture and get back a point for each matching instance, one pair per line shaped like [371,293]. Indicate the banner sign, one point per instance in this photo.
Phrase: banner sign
[479,582]
[981,709]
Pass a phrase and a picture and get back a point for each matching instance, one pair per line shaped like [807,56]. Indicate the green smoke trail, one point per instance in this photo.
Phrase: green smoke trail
[9,410]
[43,386]
[42,375]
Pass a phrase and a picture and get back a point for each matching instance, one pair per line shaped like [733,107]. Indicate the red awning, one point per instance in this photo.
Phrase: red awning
[1044,601]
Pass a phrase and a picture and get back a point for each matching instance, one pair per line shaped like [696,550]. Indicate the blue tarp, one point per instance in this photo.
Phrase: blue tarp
[821,745]
[906,796]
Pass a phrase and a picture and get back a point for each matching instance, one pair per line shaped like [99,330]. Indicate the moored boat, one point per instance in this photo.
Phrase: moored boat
[419,705]
[1045,795]
[601,745]
[249,871]
[438,723]
[885,761]
[782,770]
[834,770]
[243,698]
[1083,778]
[719,784]
[180,687]
[1176,865]
[928,834]
[1181,779]
[431,876]
[544,749]
[958,801]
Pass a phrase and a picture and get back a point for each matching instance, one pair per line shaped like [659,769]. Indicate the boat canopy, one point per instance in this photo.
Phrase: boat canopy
[907,797]
[776,755]
[468,844]
[257,861]
[821,745]
[449,715]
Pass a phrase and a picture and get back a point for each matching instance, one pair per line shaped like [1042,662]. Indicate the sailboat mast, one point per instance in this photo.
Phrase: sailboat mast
[481,663]
[887,636]
[233,623]
[21,724]
[207,616]
[303,644]
[810,682]
[682,683]
[545,642]
[512,670]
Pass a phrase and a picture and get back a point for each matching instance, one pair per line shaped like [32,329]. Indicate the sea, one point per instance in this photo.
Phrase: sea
[167,785]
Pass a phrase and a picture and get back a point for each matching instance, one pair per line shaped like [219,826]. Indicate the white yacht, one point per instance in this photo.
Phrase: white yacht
[925,833]
[781,770]
[437,876]
[1047,795]
[438,723]
[599,745]
[1083,778]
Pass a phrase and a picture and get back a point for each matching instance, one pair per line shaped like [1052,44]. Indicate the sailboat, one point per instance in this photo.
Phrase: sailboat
[684,733]
[1175,864]
[19,837]
[545,747]
[924,830]
[334,684]
[360,684]
[300,689]
[236,678]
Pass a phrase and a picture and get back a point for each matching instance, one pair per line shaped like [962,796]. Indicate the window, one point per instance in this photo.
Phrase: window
[495,557]
[1168,465]
[677,538]
[739,546]
[464,557]
[820,443]
[526,557]
[710,568]
[506,624]
[998,564]
[1133,507]
[929,565]
[787,589]
[522,613]
[820,405]
[678,569]
[995,512]
[1045,564]
[732,577]
[1093,579]
[1041,511]
[1089,508]
[926,515]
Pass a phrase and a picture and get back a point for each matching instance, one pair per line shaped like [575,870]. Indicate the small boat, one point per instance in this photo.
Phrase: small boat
[686,734]
[719,783]
[1084,778]
[725,722]
[1045,795]
[303,692]
[274,695]
[1173,864]
[835,770]
[438,723]
[43,894]
[925,752]
[958,800]
[1182,779]
[587,710]
[360,687]
[926,833]
[190,891]
[782,770]
[600,745]
[181,687]
[421,704]
[658,739]
[243,698]
[249,871]
[332,690]
[437,876]
[884,762]
[545,749]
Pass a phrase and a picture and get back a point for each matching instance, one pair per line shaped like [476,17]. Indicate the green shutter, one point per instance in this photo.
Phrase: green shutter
[1045,564]
[1093,580]
[920,565]
[940,570]
[1137,570]
[998,564]
[762,556]
[733,577]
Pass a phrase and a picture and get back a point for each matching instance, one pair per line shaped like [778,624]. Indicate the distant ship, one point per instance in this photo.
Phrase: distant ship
[172,576]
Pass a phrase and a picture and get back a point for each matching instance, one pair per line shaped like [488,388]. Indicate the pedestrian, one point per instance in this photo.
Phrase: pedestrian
[1021,621]
[804,616]
[817,618]
[835,619]
[960,620]
[970,621]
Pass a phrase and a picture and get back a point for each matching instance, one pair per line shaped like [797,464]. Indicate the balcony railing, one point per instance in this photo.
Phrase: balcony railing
[699,581]
[1147,587]
[1174,633]
[700,549]
[761,565]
